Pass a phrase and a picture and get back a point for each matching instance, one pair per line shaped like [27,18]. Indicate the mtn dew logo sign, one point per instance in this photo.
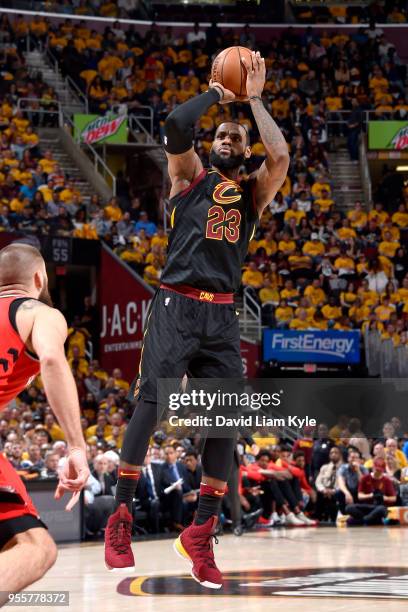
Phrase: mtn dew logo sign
[391,135]
[94,129]
[400,140]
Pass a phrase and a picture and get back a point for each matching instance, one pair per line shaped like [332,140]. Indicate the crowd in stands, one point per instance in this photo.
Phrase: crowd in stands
[38,197]
[351,263]
[133,9]
[310,264]
[307,74]
[250,12]
[390,11]
[325,476]
[314,268]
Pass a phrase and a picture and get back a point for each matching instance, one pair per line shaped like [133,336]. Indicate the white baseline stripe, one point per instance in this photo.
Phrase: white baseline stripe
[325,26]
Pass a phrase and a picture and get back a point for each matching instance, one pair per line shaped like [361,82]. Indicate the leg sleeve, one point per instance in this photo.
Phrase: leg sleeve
[217,457]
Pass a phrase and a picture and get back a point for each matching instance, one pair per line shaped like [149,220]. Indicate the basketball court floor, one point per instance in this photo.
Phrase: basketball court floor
[330,569]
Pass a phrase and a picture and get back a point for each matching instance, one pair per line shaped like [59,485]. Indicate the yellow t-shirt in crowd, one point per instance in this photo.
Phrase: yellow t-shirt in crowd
[254,278]
[299,324]
[287,245]
[315,294]
[401,219]
[113,213]
[284,313]
[388,249]
[294,214]
[269,294]
[270,246]
[331,312]
[344,262]
[314,249]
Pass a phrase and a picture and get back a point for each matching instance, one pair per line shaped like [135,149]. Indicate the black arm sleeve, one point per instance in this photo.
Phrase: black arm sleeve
[178,127]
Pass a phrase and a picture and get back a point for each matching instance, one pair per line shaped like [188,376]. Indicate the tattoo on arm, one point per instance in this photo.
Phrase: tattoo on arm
[31,304]
[271,135]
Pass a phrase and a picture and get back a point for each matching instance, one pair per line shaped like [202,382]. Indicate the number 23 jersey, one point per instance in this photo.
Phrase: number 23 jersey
[213,221]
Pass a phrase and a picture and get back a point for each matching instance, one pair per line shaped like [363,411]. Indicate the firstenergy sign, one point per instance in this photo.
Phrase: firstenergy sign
[311,346]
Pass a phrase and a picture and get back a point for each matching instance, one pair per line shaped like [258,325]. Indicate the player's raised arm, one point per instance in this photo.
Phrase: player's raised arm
[48,336]
[184,165]
[272,172]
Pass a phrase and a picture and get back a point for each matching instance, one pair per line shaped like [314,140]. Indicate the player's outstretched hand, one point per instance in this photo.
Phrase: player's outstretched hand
[227,95]
[256,74]
[73,477]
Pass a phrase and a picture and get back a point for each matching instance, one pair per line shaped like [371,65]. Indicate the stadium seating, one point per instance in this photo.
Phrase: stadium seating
[311,265]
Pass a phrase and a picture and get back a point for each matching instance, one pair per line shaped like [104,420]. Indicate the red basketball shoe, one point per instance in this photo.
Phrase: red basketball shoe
[118,539]
[195,544]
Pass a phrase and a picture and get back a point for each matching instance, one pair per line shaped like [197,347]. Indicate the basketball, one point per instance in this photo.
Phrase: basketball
[227,69]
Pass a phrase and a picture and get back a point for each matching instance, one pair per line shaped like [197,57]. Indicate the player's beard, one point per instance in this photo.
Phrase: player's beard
[226,163]
[45,297]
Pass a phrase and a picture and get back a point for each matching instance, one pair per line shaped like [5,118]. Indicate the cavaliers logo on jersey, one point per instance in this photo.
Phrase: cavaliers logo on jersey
[227,192]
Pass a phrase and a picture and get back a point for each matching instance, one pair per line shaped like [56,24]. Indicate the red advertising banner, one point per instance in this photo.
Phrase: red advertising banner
[251,354]
[124,302]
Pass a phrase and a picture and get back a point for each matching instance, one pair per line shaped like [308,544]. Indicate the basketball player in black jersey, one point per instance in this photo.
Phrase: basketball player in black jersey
[193,325]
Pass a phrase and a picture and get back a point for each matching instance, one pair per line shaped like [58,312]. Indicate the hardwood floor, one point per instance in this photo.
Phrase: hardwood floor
[330,569]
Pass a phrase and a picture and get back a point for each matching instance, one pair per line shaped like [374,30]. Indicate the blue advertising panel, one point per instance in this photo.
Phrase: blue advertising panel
[311,346]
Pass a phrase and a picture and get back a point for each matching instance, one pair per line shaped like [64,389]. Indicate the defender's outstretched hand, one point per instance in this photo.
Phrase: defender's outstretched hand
[73,477]
[256,75]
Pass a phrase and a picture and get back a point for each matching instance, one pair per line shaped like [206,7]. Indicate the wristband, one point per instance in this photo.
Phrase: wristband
[218,90]
[255,98]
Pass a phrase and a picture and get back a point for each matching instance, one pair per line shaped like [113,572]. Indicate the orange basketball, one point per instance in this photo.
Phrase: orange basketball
[227,69]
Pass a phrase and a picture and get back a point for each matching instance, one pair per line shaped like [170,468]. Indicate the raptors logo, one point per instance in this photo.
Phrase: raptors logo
[219,194]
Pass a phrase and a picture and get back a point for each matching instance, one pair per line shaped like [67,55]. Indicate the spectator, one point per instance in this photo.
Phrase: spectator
[16,455]
[196,36]
[326,507]
[375,493]
[378,453]
[50,469]
[358,439]
[348,478]
[100,472]
[279,502]
[99,495]
[148,491]
[252,277]
[53,428]
[34,456]
[173,484]
[92,382]
[113,212]
[145,224]
[194,469]
[321,449]
[391,447]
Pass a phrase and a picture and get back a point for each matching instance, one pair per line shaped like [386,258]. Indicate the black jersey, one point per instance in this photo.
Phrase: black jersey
[212,221]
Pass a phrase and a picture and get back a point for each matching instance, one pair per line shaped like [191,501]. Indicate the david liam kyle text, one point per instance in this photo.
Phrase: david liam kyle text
[252,420]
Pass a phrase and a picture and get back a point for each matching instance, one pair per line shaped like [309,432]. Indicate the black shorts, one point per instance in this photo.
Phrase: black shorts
[11,527]
[186,335]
